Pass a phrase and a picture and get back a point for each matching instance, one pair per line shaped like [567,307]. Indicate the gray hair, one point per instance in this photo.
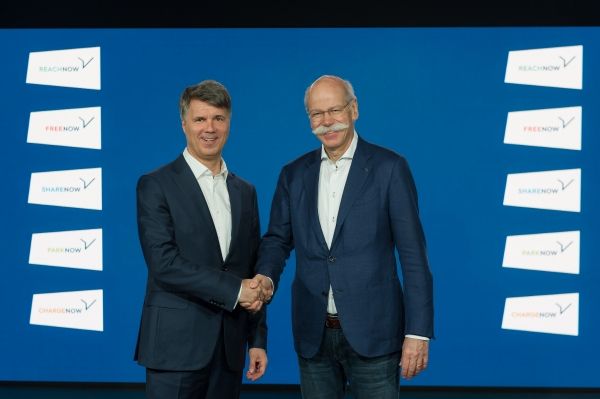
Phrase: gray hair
[208,91]
[347,86]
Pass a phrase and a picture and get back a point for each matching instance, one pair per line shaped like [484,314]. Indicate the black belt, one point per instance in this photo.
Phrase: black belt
[332,321]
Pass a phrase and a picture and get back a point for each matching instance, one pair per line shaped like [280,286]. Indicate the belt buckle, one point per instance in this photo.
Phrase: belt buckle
[332,322]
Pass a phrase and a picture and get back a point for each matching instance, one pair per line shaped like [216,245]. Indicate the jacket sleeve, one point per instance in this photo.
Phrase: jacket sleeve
[410,243]
[278,241]
[257,335]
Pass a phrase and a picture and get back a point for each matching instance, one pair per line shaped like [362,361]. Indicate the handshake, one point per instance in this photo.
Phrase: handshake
[255,292]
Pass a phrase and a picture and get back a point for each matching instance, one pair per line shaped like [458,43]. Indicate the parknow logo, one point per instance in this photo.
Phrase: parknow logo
[552,314]
[552,128]
[77,188]
[78,68]
[550,252]
[79,249]
[556,190]
[77,127]
[551,67]
[82,310]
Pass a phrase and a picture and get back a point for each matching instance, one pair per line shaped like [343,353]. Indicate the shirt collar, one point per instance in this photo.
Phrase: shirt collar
[198,168]
[349,154]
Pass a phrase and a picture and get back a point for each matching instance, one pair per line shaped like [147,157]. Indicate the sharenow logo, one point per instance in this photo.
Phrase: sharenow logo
[552,128]
[78,68]
[77,127]
[552,67]
[75,309]
[553,314]
[79,249]
[556,190]
[550,252]
[77,188]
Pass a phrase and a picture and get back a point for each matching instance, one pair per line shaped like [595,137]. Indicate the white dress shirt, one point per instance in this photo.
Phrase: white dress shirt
[332,180]
[214,189]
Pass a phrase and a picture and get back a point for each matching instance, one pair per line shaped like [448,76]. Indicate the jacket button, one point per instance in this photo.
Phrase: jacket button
[331,259]
[224,268]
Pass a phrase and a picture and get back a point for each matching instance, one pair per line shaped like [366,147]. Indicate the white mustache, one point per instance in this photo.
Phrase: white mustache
[333,128]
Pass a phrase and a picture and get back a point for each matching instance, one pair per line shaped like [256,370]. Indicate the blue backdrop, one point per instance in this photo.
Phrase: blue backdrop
[435,95]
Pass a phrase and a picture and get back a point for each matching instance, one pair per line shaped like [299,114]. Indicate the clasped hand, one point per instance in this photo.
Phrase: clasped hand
[256,292]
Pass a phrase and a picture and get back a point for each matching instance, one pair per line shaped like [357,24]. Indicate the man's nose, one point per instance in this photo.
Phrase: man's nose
[328,119]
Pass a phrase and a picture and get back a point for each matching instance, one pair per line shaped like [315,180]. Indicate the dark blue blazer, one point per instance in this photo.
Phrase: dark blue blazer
[191,290]
[378,214]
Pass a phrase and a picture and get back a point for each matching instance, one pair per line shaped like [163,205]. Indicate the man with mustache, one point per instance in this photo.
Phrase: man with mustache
[346,208]
[199,231]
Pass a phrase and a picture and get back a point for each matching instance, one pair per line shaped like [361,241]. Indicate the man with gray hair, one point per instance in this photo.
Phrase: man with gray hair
[199,232]
[346,208]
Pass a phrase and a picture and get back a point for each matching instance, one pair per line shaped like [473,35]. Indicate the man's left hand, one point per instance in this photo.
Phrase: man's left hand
[415,355]
[257,364]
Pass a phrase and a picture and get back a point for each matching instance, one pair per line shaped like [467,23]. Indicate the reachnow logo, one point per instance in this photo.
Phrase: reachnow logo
[76,188]
[76,68]
[560,67]
[551,128]
[555,190]
[78,249]
[81,310]
[550,252]
[552,314]
[77,127]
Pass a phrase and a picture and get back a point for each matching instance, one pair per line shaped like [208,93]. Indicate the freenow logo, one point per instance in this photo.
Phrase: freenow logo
[558,190]
[77,127]
[549,252]
[79,249]
[77,188]
[75,309]
[552,128]
[552,67]
[78,68]
[553,314]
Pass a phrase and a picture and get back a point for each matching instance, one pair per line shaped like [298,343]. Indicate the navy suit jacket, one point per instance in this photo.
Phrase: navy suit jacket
[378,214]
[191,290]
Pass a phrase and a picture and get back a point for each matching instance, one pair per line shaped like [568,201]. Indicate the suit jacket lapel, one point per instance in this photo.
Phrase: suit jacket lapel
[311,185]
[189,186]
[235,201]
[357,176]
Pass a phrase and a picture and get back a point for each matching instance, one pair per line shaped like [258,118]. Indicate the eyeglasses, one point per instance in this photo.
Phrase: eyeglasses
[317,116]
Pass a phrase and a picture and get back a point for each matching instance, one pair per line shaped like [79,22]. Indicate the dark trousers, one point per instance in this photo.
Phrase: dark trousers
[215,381]
[337,366]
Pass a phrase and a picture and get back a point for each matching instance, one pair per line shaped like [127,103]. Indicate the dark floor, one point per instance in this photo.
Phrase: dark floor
[136,391]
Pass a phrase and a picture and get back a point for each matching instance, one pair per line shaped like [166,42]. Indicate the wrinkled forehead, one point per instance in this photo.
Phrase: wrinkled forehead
[327,91]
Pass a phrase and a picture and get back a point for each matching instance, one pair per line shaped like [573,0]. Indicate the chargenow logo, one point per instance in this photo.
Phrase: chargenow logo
[78,188]
[76,309]
[77,127]
[79,68]
[551,128]
[552,67]
[553,314]
[555,190]
[79,249]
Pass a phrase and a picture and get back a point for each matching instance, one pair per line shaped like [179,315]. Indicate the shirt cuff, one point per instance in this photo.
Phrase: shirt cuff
[239,295]
[416,337]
